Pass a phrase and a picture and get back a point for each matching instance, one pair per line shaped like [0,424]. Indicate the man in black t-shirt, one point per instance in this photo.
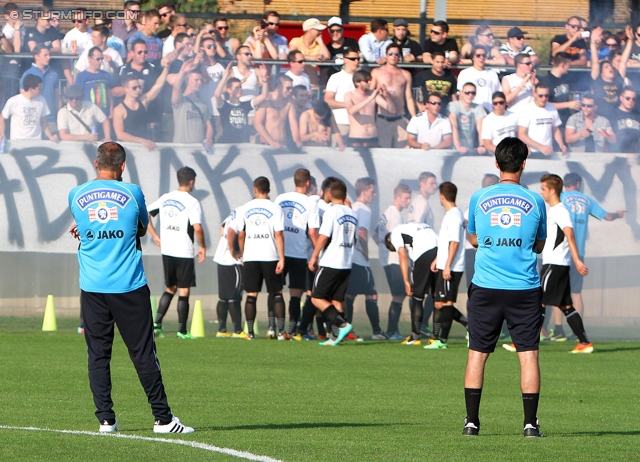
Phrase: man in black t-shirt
[571,42]
[438,41]
[626,122]
[437,80]
[337,46]
[560,86]
[42,34]
[411,50]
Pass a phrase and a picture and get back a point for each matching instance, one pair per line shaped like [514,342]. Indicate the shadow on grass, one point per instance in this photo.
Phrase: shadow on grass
[293,426]
[598,433]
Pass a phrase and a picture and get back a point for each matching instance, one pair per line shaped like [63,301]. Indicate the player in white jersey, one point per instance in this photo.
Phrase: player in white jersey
[229,281]
[389,261]
[556,260]
[180,219]
[450,265]
[260,227]
[417,242]
[361,280]
[301,223]
[337,238]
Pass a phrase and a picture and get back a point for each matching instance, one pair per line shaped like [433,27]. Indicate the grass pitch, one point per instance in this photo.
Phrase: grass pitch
[296,401]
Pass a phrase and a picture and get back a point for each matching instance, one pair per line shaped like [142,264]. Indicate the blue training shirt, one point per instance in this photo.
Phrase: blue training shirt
[507,220]
[580,207]
[107,213]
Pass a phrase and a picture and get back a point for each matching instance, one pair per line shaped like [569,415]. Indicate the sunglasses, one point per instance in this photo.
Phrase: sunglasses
[498,103]
[435,32]
[208,47]
[98,59]
[543,95]
[487,35]
[300,61]
[435,103]
[480,55]
[335,31]
[246,53]
[182,25]
[135,87]
[75,21]
[287,88]
[574,26]
[72,98]
[142,52]
[393,53]
[469,92]
[277,24]
[351,58]
[222,27]
[587,105]
[134,11]
[167,14]
[529,63]
[629,98]
[612,45]
[521,37]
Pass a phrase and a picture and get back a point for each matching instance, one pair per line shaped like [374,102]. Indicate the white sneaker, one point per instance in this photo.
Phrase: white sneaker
[106,427]
[172,427]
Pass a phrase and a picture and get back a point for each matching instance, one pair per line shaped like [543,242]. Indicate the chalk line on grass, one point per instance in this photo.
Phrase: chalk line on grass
[193,444]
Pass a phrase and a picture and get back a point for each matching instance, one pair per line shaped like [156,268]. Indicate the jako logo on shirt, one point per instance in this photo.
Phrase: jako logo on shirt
[505,218]
[121,198]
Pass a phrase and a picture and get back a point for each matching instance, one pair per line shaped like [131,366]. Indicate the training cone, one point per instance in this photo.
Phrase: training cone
[154,307]
[197,322]
[49,322]
[255,328]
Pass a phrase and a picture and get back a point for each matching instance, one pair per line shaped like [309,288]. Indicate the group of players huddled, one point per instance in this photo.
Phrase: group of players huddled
[319,240]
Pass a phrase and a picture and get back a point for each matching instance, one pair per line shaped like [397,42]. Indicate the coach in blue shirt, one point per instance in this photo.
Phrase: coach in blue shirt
[110,217]
[507,224]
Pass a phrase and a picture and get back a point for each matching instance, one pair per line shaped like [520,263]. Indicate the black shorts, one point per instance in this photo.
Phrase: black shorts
[230,282]
[257,271]
[423,279]
[488,308]
[179,272]
[556,286]
[447,291]
[361,281]
[296,268]
[576,279]
[394,279]
[331,284]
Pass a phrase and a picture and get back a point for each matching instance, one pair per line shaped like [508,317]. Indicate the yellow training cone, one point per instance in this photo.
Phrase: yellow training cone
[154,307]
[197,322]
[49,322]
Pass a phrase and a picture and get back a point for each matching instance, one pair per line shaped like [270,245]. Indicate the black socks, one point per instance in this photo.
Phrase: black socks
[183,314]
[575,322]
[163,307]
[472,400]
[250,312]
[416,316]
[530,404]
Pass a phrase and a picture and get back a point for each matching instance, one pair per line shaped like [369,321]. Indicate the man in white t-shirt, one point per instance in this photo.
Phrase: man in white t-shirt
[180,219]
[420,210]
[498,124]
[301,223]
[389,260]
[260,225]
[229,270]
[112,60]
[78,120]
[339,84]
[485,80]
[417,242]
[337,239]
[430,129]
[539,123]
[80,34]
[518,87]
[449,264]
[361,281]
[296,69]
[28,112]
[558,251]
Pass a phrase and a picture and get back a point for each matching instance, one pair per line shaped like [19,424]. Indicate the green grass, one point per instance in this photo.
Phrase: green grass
[297,401]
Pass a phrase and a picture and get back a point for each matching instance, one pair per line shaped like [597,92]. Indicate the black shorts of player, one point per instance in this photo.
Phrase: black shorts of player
[296,269]
[257,271]
[394,279]
[423,279]
[361,281]
[556,286]
[331,284]
[575,278]
[179,272]
[447,290]
[488,308]
[230,282]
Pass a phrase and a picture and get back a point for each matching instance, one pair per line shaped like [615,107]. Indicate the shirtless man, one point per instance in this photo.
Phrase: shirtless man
[361,107]
[392,125]
[272,115]
[317,125]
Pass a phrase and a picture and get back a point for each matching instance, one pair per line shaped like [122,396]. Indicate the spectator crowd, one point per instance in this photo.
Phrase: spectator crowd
[153,77]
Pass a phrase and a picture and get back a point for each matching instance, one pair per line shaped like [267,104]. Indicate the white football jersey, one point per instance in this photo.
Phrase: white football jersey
[451,230]
[260,219]
[340,225]
[223,256]
[363,213]
[178,211]
[300,214]
[388,222]
[420,211]
[416,238]
[556,249]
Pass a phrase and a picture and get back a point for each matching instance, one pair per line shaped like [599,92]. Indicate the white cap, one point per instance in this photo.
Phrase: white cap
[334,20]
[312,23]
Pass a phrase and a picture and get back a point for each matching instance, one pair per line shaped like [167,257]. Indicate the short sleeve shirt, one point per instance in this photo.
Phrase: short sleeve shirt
[507,219]
[340,83]
[607,94]
[97,88]
[427,132]
[108,214]
[540,122]
[575,49]
[260,219]
[580,208]
[223,256]
[234,119]
[90,114]
[556,249]
[496,128]
[178,211]
[577,122]
[25,116]
[448,45]
[363,213]
[154,45]
[486,82]
[300,215]
[467,122]
[416,238]
[340,225]
[443,85]
[387,223]
[452,229]
[626,126]
[420,211]
[45,39]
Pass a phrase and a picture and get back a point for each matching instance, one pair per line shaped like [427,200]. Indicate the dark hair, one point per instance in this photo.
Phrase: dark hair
[321,108]
[561,58]
[498,94]
[180,37]
[292,55]
[589,96]
[437,95]
[219,19]
[153,13]
[301,176]
[271,13]
[282,78]
[552,181]
[627,88]
[541,84]
[170,5]
[517,59]
[361,76]
[469,83]
[92,50]
[128,78]
[138,42]
[572,179]
[240,48]
[479,30]
[37,49]
[31,81]
[425,176]
[510,154]
[449,191]
[378,23]
[185,175]
[298,88]
[103,30]
[339,190]
[173,20]
[231,81]
[437,53]
[442,24]
[9,7]
[327,182]
[401,189]
[110,156]
[351,50]
[362,184]
[490,179]
[477,47]
[396,46]
[262,185]
[131,3]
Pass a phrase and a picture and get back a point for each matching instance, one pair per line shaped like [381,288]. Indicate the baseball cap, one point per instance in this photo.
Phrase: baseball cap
[312,23]
[401,22]
[515,32]
[334,21]
[74,91]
